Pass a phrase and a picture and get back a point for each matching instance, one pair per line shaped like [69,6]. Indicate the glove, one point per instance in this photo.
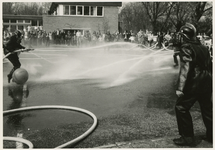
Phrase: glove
[179,93]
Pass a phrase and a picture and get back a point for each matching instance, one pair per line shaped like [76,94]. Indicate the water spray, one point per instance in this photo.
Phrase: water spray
[110,65]
[114,83]
[42,58]
[140,61]
[150,48]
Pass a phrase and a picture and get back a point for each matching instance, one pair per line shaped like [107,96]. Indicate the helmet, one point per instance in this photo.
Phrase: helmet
[18,33]
[188,31]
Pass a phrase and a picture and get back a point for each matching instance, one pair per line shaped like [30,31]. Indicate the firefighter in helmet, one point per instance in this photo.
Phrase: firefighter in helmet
[194,84]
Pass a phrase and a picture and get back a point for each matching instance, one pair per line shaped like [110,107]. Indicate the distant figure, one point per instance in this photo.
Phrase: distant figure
[126,36]
[132,37]
[140,37]
[160,39]
[78,36]
[69,38]
[108,37]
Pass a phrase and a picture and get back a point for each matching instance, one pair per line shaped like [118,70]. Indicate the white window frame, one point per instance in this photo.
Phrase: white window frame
[90,15]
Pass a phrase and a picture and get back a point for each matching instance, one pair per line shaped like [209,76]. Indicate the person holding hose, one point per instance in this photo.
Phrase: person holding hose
[13,44]
[194,84]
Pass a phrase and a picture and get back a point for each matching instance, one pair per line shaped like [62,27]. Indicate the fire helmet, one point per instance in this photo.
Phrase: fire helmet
[188,31]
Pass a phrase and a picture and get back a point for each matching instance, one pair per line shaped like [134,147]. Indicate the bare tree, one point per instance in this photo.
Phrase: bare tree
[139,19]
[133,17]
[7,8]
[200,9]
[23,8]
[181,14]
[45,6]
[155,10]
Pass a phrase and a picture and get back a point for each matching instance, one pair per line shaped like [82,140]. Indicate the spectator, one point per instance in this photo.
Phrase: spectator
[160,39]
[69,38]
[126,36]
[78,36]
[108,36]
[140,37]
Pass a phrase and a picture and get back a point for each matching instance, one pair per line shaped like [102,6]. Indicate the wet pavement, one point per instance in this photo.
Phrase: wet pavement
[130,90]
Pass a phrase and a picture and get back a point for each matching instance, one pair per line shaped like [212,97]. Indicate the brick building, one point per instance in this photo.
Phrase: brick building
[73,16]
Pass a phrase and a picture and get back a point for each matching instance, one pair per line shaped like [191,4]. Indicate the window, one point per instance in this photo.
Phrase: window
[66,10]
[34,23]
[93,11]
[86,10]
[20,21]
[13,21]
[83,10]
[72,10]
[99,11]
[27,21]
[6,20]
[79,10]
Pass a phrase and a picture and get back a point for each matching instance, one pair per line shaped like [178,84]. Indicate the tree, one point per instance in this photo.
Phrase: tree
[156,10]
[163,16]
[132,16]
[7,8]
[30,8]
[181,14]
[200,9]
[190,12]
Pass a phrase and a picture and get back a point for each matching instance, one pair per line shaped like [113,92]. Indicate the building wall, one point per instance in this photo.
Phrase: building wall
[19,22]
[51,22]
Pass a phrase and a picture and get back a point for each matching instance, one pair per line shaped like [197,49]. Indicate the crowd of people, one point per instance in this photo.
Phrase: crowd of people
[38,37]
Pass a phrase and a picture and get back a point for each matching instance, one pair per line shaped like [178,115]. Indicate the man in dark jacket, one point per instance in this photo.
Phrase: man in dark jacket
[194,84]
[14,43]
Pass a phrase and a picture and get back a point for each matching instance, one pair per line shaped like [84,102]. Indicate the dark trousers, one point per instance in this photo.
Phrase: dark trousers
[184,119]
[14,59]
[175,58]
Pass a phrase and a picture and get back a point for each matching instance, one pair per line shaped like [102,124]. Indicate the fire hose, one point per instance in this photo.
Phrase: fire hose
[70,143]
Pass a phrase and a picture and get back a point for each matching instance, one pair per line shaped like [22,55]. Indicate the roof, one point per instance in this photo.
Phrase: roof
[54,5]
